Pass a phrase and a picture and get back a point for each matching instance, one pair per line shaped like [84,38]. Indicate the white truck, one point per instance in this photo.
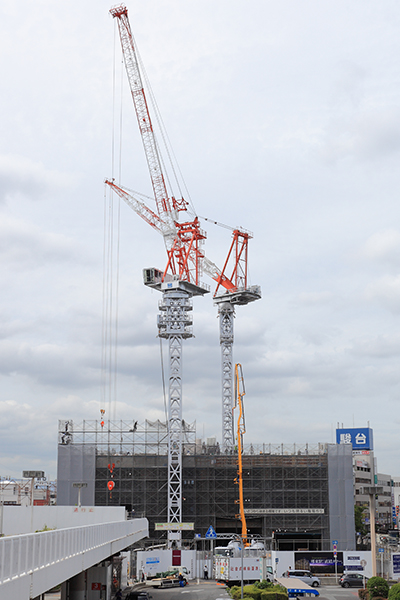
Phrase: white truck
[171,578]
[229,570]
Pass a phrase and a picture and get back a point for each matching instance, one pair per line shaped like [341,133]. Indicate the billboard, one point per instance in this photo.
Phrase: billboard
[318,562]
[396,564]
[359,437]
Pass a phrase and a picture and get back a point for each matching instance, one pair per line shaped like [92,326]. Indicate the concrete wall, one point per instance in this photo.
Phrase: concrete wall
[351,558]
[75,463]
[15,520]
[341,495]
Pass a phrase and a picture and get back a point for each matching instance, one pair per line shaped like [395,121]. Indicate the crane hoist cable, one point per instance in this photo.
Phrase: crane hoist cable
[241,430]
[111,258]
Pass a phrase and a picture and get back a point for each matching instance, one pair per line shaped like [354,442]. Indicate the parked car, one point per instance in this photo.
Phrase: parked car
[352,580]
[305,576]
[138,595]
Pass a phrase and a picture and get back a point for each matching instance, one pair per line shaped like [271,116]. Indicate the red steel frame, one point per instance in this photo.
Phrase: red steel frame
[239,250]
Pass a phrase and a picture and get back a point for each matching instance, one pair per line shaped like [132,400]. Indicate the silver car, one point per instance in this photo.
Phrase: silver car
[305,576]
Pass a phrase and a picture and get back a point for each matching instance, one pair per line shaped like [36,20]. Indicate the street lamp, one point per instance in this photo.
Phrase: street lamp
[79,485]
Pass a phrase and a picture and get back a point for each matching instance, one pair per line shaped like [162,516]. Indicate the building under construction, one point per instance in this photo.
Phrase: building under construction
[297,497]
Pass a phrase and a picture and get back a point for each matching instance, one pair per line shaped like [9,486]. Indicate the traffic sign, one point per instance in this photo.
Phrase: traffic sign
[211,535]
[381,549]
[33,474]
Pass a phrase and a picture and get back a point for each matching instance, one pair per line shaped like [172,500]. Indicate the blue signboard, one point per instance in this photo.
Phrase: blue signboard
[211,535]
[359,438]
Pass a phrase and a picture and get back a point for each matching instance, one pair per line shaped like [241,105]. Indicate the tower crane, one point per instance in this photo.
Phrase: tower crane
[179,281]
[240,294]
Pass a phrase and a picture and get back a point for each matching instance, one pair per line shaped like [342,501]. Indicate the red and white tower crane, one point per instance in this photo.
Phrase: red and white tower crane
[180,279]
[241,293]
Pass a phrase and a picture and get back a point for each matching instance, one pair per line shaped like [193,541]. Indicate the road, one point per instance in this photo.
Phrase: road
[204,590]
[209,590]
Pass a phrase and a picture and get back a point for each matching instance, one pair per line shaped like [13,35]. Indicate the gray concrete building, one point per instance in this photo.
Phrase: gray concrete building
[295,496]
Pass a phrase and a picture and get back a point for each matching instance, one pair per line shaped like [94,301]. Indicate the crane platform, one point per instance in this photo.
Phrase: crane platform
[152,277]
[241,296]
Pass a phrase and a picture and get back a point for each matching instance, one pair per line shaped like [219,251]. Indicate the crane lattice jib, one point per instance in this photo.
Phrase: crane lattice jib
[164,205]
[142,210]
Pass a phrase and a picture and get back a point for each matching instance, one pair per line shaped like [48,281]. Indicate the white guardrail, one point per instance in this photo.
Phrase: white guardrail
[22,555]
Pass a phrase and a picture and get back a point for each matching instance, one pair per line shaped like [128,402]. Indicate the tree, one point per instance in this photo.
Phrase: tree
[394,592]
[359,519]
[377,586]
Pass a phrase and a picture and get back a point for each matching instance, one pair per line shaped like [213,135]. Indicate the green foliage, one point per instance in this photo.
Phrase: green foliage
[264,584]
[274,594]
[394,592]
[363,594]
[359,519]
[377,586]
[236,591]
[252,591]
[45,528]
[262,590]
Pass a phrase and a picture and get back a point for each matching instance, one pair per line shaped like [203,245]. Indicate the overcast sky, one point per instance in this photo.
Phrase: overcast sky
[285,118]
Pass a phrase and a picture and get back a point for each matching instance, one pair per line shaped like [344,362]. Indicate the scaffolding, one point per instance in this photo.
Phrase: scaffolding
[275,477]
[125,437]
[151,437]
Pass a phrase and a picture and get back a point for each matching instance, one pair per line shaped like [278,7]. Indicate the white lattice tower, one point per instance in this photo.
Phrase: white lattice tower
[174,324]
[226,313]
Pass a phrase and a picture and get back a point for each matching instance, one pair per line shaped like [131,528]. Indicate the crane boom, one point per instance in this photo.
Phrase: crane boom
[142,210]
[183,249]
[165,205]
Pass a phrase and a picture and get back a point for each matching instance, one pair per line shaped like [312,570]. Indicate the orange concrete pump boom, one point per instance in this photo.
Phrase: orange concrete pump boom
[241,429]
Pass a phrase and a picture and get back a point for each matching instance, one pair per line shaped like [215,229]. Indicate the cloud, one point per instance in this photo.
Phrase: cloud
[49,364]
[24,246]
[385,291]
[20,175]
[314,298]
[383,246]
[369,135]
[350,82]
[381,347]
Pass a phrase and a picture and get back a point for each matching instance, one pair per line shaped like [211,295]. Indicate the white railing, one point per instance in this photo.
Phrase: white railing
[21,555]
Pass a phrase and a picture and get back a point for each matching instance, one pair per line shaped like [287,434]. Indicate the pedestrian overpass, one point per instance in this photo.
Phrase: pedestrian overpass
[33,563]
